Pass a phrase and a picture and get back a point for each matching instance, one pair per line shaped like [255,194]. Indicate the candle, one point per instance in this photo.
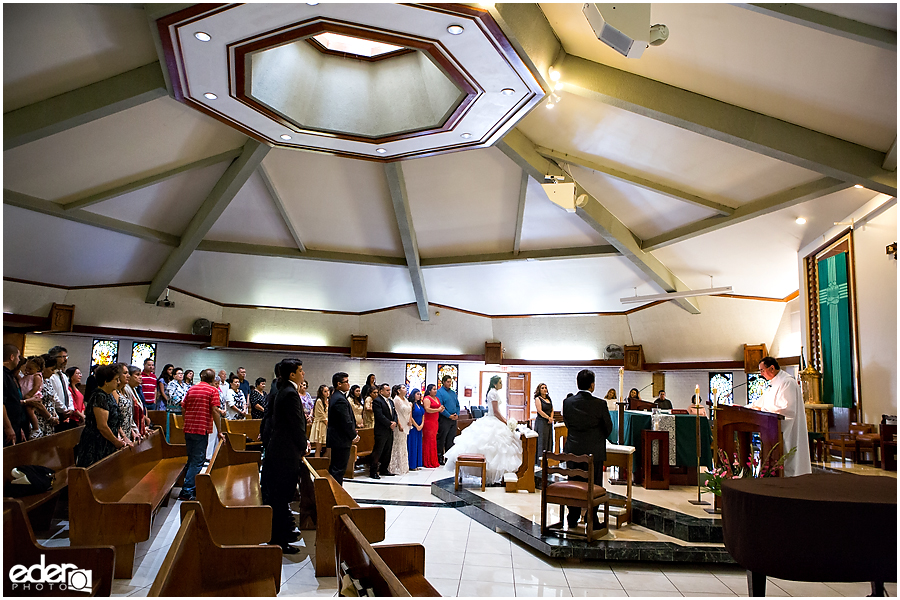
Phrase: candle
[621,383]
[697,394]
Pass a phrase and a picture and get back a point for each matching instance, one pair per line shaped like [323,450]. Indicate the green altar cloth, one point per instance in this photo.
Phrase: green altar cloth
[685,437]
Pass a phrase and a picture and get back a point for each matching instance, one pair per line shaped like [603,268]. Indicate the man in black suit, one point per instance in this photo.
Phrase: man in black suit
[341,433]
[587,419]
[284,451]
[385,423]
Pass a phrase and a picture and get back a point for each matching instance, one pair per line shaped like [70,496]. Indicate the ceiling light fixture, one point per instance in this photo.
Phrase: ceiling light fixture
[507,91]
[202,36]
[857,186]
[800,221]
[465,136]
[312,3]
[210,96]
[455,29]
[380,150]
[286,137]
[676,295]
[554,74]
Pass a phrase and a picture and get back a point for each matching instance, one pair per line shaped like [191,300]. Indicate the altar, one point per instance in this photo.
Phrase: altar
[682,441]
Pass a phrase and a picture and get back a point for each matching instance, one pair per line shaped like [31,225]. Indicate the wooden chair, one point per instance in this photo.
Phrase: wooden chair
[394,570]
[868,440]
[523,479]
[21,548]
[195,565]
[584,494]
[888,435]
[470,460]
[844,442]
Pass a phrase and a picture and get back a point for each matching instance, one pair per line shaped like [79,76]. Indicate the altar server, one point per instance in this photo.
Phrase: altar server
[783,396]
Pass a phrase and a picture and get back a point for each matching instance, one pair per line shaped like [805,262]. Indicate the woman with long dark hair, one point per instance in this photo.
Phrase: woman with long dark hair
[367,387]
[417,423]
[432,407]
[102,433]
[368,411]
[162,382]
[354,397]
[320,420]
[399,464]
[543,423]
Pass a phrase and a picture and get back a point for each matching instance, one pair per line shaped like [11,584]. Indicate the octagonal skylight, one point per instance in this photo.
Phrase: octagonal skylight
[354,45]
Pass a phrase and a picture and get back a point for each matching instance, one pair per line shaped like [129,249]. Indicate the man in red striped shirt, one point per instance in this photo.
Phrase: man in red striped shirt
[148,384]
[200,410]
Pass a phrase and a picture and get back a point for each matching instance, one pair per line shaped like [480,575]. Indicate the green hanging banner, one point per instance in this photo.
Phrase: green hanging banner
[834,316]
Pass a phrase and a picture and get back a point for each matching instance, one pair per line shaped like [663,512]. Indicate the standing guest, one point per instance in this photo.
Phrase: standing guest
[368,407]
[308,402]
[15,424]
[385,425]
[199,407]
[341,429]
[31,383]
[133,390]
[448,417]
[46,410]
[148,384]
[74,375]
[236,407]
[354,397]
[783,397]
[265,426]
[258,399]
[370,383]
[417,422]
[319,433]
[162,397]
[91,384]
[126,408]
[399,453]
[224,391]
[189,378]
[68,417]
[433,408]
[245,385]
[102,422]
[284,450]
[176,390]
[661,401]
[589,424]
[543,423]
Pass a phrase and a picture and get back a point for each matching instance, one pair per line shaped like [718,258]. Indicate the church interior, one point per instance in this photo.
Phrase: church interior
[480,190]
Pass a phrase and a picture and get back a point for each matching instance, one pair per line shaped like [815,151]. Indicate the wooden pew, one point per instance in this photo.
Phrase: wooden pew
[395,570]
[248,428]
[230,495]
[21,548]
[196,565]
[361,449]
[113,501]
[54,452]
[369,519]
[176,429]
[157,417]
[523,479]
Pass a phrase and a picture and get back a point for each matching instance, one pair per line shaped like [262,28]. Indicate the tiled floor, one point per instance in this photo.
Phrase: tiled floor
[464,558]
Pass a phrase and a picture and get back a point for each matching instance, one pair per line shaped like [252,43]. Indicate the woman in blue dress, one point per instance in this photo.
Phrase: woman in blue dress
[414,440]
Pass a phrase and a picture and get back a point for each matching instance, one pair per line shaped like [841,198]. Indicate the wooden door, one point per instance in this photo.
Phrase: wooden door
[518,405]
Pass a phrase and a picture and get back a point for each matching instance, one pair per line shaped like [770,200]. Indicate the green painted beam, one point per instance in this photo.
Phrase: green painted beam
[828,23]
[616,233]
[641,182]
[520,212]
[282,252]
[400,200]
[890,159]
[521,150]
[531,34]
[212,208]
[83,105]
[753,131]
[151,180]
[46,207]
[279,204]
[505,257]
[774,202]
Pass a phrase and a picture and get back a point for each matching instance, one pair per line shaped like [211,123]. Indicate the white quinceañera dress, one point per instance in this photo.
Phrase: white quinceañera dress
[502,449]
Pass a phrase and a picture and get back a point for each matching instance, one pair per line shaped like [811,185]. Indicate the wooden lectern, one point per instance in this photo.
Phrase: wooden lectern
[737,422]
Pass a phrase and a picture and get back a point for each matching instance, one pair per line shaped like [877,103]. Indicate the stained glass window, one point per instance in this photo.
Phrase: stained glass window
[722,383]
[104,352]
[756,385]
[415,376]
[141,351]
[451,370]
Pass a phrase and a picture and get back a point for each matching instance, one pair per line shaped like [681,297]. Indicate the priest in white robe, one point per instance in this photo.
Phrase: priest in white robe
[783,396]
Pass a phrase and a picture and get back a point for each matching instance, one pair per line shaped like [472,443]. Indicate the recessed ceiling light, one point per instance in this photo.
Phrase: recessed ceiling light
[210,96]
[800,221]
[507,91]
[286,137]
[380,150]
[202,36]
[550,105]
[312,3]
[455,29]
[554,74]
[465,136]
[857,186]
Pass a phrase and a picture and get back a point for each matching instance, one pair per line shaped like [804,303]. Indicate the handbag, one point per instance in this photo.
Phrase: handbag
[28,480]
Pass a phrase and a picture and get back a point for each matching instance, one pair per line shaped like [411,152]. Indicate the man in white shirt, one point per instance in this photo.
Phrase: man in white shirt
[68,416]
[783,396]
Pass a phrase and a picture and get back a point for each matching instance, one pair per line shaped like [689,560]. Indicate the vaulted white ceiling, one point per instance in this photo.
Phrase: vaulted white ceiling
[487,239]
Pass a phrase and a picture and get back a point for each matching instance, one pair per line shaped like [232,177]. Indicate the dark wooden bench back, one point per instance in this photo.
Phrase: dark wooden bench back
[115,475]
[157,417]
[196,566]
[21,548]
[366,441]
[247,427]
[55,452]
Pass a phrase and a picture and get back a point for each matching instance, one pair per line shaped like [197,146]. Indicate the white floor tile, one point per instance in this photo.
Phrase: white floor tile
[534,563]
[592,579]
[489,574]
[656,582]
[543,591]
[687,584]
[652,594]
[529,577]
[586,565]
[803,588]
[481,559]
[468,589]
[443,570]
[589,592]
[445,587]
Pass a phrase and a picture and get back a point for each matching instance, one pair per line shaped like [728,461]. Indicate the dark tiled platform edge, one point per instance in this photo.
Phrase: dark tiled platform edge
[528,532]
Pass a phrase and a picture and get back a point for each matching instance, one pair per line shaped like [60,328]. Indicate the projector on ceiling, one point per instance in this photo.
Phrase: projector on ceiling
[625,27]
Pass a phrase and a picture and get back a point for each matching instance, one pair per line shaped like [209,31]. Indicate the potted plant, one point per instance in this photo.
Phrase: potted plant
[734,470]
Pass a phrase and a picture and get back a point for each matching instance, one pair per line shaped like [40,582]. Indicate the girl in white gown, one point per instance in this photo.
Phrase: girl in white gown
[491,437]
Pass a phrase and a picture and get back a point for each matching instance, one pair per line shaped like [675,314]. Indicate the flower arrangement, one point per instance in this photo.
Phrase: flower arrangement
[512,424]
[753,468]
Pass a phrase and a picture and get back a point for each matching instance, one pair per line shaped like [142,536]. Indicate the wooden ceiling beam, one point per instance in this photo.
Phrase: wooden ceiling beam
[282,209]
[520,212]
[83,105]
[400,200]
[828,23]
[234,178]
[282,252]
